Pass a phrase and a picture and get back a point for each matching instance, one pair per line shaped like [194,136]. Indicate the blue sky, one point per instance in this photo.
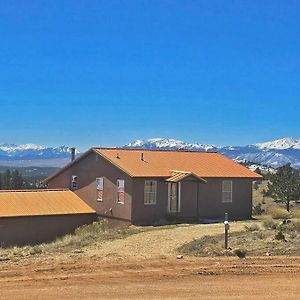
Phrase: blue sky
[88,73]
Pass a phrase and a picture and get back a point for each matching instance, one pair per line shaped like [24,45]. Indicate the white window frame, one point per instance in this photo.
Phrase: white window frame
[226,192]
[74,182]
[117,195]
[178,197]
[100,187]
[148,194]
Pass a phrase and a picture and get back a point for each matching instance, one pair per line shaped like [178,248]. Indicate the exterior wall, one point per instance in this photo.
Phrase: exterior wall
[210,203]
[36,229]
[149,214]
[88,169]
[188,201]
[210,194]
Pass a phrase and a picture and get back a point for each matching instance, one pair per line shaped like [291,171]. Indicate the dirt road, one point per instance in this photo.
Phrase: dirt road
[80,277]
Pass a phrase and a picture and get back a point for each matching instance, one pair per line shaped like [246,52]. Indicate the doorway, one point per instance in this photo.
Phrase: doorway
[174,189]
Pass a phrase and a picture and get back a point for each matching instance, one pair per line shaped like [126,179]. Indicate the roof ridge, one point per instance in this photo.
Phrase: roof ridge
[35,190]
[154,150]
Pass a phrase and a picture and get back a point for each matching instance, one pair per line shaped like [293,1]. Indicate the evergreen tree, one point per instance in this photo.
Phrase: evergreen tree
[284,185]
[12,180]
[16,180]
[6,180]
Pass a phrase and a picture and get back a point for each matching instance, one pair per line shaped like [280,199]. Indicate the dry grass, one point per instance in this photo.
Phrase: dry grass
[296,214]
[252,227]
[280,213]
[269,223]
[255,243]
[84,236]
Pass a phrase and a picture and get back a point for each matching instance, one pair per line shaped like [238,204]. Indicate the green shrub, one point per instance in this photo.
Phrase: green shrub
[279,236]
[257,209]
[286,227]
[266,193]
[241,253]
[280,213]
[296,223]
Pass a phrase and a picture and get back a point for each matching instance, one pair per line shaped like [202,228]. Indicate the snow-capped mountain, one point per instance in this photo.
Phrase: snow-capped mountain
[168,144]
[273,154]
[282,144]
[31,154]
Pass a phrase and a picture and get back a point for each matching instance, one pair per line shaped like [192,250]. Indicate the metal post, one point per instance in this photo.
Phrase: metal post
[226,227]
[197,185]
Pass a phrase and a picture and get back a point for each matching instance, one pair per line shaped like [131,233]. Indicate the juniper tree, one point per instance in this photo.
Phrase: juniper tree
[284,185]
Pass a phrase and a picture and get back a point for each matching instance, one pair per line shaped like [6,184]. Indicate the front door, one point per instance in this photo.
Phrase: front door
[173,197]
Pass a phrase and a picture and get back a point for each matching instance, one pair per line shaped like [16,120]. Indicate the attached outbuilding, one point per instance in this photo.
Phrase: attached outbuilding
[145,186]
[35,216]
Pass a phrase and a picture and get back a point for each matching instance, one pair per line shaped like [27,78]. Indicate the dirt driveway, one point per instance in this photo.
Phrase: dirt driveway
[159,242]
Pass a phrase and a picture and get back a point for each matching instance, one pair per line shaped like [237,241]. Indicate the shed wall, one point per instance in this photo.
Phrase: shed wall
[36,229]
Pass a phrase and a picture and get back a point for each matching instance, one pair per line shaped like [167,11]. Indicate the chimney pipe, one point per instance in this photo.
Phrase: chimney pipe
[73,153]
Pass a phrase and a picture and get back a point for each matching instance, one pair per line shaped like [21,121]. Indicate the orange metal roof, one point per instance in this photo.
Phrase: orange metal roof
[40,203]
[159,163]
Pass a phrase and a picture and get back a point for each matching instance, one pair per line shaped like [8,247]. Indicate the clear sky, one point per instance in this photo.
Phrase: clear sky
[89,73]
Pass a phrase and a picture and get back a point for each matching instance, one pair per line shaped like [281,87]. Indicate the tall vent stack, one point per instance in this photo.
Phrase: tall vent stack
[73,153]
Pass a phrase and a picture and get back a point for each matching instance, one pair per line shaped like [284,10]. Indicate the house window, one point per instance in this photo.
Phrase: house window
[120,191]
[227,191]
[74,182]
[100,188]
[150,192]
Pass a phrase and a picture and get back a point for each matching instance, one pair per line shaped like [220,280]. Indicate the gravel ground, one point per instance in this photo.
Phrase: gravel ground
[159,242]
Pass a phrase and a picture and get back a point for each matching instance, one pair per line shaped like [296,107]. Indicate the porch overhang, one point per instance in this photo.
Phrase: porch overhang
[177,176]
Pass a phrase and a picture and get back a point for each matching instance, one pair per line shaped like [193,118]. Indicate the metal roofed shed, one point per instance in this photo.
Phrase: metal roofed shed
[33,216]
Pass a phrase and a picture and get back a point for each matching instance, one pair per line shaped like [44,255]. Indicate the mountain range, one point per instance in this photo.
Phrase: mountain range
[33,155]
[271,154]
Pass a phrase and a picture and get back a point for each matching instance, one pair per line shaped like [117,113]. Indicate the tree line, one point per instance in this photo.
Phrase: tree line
[13,180]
